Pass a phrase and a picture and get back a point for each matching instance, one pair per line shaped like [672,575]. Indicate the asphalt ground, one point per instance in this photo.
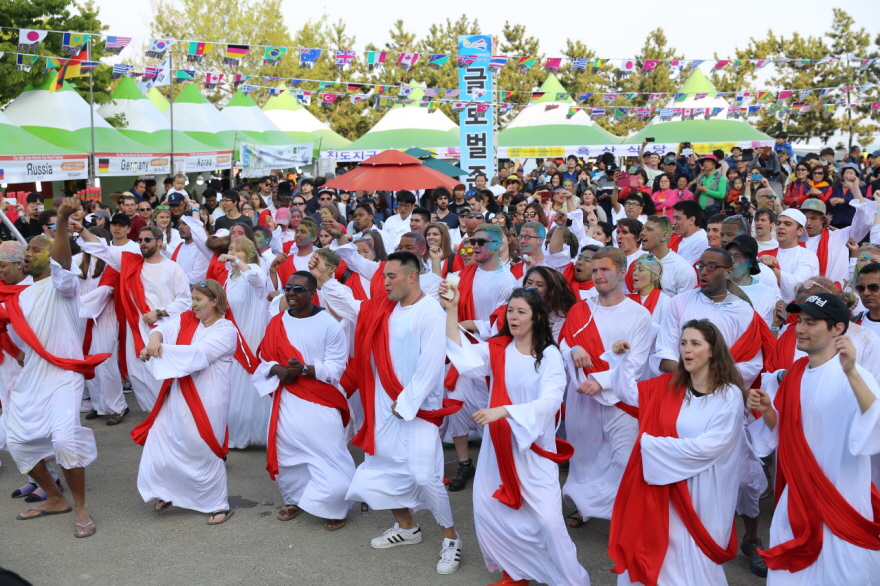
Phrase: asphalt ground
[135,546]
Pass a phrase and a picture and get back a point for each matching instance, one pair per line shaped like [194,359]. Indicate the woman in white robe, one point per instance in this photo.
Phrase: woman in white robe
[246,292]
[177,465]
[705,453]
[529,542]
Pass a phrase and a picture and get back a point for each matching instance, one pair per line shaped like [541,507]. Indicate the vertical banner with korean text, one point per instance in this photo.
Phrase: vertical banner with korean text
[476,121]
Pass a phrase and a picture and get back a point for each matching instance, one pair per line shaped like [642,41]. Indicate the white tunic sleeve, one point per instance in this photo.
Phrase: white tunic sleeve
[428,376]
[182,294]
[529,420]
[218,342]
[670,459]
[256,278]
[331,367]
[341,299]
[471,360]
[763,439]
[199,236]
[357,263]
[94,302]
[65,281]
[112,255]
[624,386]
[864,436]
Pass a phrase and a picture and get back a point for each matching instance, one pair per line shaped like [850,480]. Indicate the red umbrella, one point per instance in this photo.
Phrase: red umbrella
[392,171]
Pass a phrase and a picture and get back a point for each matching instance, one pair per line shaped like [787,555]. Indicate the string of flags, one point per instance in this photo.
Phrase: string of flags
[343,59]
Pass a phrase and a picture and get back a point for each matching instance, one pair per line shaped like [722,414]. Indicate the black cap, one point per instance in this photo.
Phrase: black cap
[175,199]
[749,247]
[823,306]
[120,219]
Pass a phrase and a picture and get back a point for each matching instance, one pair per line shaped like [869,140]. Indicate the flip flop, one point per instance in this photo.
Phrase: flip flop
[158,509]
[289,512]
[577,521]
[23,491]
[228,514]
[42,514]
[87,533]
[331,524]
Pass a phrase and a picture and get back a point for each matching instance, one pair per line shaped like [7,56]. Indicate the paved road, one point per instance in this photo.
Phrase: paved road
[135,547]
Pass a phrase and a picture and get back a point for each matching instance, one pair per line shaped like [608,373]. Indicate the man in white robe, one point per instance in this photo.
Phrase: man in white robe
[601,432]
[189,257]
[167,292]
[313,476]
[837,256]
[43,410]
[678,276]
[832,430]
[686,220]
[791,262]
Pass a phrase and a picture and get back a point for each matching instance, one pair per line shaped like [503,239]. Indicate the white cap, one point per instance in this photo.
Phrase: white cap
[796,215]
[221,233]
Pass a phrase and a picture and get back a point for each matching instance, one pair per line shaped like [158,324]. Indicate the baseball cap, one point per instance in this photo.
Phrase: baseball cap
[221,233]
[282,216]
[796,215]
[175,199]
[749,247]
[823,306]
[876,153]
[814,205]
[121,219]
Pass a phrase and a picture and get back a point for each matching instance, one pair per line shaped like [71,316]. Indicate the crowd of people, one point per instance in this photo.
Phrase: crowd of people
[660,328]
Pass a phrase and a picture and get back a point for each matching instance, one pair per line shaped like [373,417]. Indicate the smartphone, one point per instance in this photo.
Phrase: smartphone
[623,180]
[687,152]
[756,177]
[11,201]
[545,195]
[650,139]
[41,208]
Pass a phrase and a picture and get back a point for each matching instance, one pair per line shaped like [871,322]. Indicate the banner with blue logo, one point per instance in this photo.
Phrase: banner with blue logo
[476,121]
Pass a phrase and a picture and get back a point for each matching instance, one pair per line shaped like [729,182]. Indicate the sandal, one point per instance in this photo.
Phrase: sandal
[39,495]
[575,521]
[289,512]
[161,506]
[24,490]
[42,513]
[80,535]
[117,419]
[226,515]
[334,524]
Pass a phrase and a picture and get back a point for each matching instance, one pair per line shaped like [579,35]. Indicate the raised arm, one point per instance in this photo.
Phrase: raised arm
[61,247]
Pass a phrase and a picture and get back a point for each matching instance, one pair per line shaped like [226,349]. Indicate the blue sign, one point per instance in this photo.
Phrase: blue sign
[476,122]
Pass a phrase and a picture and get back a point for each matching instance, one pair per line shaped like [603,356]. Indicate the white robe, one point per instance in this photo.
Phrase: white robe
[838,255]
[176,464]
[678,275]
[602,434]
[707,455]
[42,417]
[842,439]
[691,247]
[165,287]
[192,261]
[407,468]
[763,299]
[248,411]
[314,475]
[10,370]
[428,281]
[105,390]
[531,542]
[796,265]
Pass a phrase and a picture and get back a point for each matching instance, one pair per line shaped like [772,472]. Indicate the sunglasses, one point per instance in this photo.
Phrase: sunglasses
[473,216]
[481,242]
[163,208]
[873,288]
[145,209]
[711,266]
[296,289]
[525,289]
[325,199]
[466,251]
[299,204]
[146,239]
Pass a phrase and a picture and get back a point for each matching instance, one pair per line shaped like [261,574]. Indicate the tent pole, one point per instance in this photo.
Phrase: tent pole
[171,101]
[92,127]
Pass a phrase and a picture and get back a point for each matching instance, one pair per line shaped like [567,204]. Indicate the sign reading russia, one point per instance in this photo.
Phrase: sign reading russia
[476,121]
[30,168]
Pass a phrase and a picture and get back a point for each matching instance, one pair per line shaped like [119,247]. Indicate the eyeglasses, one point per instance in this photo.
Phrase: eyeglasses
[296,289]
[481,242]
[738,258]
[802,170]
[873,288]
[531,214]
[299,203]
[822,173]
[528,237]
[146,239]
[145,209]
[325,199]
[711,266]
[202,284]
[466,251]
[632,204]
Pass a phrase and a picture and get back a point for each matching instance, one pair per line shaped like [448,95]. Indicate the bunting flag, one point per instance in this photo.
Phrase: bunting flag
[353,89]
[431,93]
[675,67]
[679,97]
[407,60]
[630,96]
[184,75]
[59,80]
[157,48]
[459,106]
[246,89]
[800,62]
[627,66]
[433,107]
[25,62]
[275,91]
[666,113]
[620,112]
[437,60]
[381,89]
[830,108]
[571,112]
[304,98]
[535,97]
[497,62]
[552,64]
[655,96]
[610,97]
[376,60]
[383,102]
[824,92]
[212,80]
[73,43]
[804,94]
[866,63]
[550,107]
[562,97]
[322,85]
[598,64]
[355,98]
[597,112]
[452,94]
[404,91]
[700,96]
[695,63]
[526,63]
[483,108]
[584,97]
[196,51]
[466,60]
[294,82]
[30,39]
[650,64]
[760,63]
[235,53]
[344,59]
[84,66]
[120,71]
[719,65]
[53,63]
[308,57]
[505,107]
[239,79]
[762,96]
[115,45]
[265,79]
[783,96]
[579,64]
[328,99]
[272,55]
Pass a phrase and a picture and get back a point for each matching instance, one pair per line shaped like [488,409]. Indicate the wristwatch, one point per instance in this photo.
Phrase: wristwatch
[305,370]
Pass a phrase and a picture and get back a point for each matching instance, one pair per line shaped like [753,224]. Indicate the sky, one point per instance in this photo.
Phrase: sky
[698,30]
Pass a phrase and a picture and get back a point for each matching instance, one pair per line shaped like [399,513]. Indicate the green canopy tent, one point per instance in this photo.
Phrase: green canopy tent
[408,125]
[299,124]
[160,101]
[197,117]
[545,124]
[429,160]
[245,115]
[717,129]
[22,153]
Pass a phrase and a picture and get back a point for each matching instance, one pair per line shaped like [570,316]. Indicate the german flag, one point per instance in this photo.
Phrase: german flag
[59,80]
[235,53]
[103,165]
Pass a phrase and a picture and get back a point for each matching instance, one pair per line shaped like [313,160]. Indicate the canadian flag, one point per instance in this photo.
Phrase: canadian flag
[213,79]
[407,60]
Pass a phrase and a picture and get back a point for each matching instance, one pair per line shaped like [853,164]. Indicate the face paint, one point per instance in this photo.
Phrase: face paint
[40,261]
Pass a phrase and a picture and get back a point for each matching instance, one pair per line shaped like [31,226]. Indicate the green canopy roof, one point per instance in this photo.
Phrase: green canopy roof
[197,117]
[17,141]
[161,102]
[245,115]
[299,124]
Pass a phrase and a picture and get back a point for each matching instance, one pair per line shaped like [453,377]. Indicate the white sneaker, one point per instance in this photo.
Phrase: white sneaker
[396,536]
[86,406]
[450,556]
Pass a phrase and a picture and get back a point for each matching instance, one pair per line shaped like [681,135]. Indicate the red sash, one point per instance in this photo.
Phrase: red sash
[782,356]
[575,285]
[640,519]
[812,498]
[377,282]
[674,241]
[575,334]
[176,252]
[217,270]
[276,347]
[630,283]
[188,325]
[6,344]
[132,297]
[453,263]
[822,251]
[466,312]
[650,302]
[509,493]
[243,353]
[372,339]
[109,278]
[518,270]
[353,281]
[756,338]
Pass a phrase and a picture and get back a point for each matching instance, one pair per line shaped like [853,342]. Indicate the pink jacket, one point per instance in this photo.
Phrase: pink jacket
[664,200]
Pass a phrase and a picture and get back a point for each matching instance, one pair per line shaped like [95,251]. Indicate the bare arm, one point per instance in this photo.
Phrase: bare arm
[61,246]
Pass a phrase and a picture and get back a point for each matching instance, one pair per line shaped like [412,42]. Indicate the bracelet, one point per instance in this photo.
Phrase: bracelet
[573,349]
[877,211]
[774,329]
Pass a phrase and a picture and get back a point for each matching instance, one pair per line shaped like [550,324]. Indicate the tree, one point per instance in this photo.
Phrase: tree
[47,14]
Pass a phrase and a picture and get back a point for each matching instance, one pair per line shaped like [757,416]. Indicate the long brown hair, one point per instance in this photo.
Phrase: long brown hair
[722,368]
[445,241]
[86,261]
